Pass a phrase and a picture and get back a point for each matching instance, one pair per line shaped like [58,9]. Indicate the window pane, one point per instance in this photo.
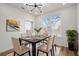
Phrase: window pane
[45,22]
[55,20]
[28,25]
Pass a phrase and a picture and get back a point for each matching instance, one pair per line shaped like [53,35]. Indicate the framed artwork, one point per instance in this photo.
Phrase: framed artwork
[12,25]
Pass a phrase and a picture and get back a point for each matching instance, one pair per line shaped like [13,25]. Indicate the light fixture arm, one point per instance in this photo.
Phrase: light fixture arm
[39,9]
[32,9]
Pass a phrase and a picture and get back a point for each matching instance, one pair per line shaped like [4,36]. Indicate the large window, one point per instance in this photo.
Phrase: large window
[56,25]
[45,22]
[28,25]
[52,24]
[55,21]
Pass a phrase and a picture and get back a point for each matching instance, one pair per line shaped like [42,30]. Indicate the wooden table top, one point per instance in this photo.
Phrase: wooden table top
[34,39]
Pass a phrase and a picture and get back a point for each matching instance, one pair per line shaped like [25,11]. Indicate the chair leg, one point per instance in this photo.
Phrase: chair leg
[29,53]
[51,52]
[37,52]
[14,53]
[55,47]
[46,54]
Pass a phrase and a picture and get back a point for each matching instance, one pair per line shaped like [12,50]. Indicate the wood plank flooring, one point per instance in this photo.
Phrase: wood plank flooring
[59,51]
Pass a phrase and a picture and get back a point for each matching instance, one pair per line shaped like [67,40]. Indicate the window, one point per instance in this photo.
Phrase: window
[56,25]
[45,23]
[52,24]
[28,25]
[55,21]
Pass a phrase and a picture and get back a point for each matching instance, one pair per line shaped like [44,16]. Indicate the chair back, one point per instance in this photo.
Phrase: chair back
[45,33]
[53,39]
[50,42]
[27,34]
[23,35]
[16,44]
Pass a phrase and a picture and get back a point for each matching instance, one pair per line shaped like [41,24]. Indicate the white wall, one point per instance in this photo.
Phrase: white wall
[68,21]
[9,12]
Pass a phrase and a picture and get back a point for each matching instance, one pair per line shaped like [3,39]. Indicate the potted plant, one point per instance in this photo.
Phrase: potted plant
[72,36]
[37,30]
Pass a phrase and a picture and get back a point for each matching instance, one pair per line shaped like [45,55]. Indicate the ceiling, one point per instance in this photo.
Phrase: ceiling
[48,7]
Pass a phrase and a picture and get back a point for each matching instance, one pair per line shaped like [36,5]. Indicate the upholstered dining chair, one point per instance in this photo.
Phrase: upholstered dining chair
[18,49]
[24,35]
[46,48]
[45,33]
[29,32]
[54,37]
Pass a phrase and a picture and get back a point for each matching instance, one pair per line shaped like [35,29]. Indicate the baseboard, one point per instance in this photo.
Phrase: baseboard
[58,45]
[6,52]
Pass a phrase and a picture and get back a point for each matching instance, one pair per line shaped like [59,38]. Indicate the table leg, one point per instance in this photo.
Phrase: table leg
[20,41]
[33,49]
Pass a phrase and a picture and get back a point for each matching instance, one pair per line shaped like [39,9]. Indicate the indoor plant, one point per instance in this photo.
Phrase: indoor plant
[37,30]
[72,36]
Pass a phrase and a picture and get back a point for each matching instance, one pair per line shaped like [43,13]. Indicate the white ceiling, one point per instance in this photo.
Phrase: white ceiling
[47,8]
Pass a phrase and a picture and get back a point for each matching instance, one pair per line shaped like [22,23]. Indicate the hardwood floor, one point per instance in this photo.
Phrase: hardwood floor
[6,52]
[59,51]
[66,52]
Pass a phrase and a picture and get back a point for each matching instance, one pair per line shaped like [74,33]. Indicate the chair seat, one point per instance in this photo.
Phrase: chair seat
[22,50]
[43,48]
[47,47]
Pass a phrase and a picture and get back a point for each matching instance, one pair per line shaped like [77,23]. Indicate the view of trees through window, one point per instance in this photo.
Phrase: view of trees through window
[52,24]
[55,21]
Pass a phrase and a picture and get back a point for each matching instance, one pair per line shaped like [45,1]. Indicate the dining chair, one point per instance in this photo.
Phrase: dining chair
[29,32]
[45,33]
[24,35]
[19,49]
[53,45]
[46,48]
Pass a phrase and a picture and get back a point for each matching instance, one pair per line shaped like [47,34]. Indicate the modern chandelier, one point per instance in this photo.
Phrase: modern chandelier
[34,6]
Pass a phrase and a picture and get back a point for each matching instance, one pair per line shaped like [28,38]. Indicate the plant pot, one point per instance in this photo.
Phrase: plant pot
[71,46]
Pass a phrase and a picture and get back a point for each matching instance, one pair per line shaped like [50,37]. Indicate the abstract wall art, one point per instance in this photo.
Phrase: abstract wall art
[12,25]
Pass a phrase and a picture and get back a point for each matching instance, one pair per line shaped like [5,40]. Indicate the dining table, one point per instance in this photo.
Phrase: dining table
[34,40]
